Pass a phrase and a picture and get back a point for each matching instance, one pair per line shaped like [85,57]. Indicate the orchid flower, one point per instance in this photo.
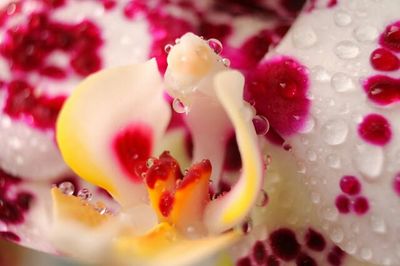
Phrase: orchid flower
[252,147]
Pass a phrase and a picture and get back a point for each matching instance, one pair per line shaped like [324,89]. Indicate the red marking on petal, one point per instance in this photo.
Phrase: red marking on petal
[272,261]
[384,60]
[305,260]
[246,261]
[396,184]
[335,257]
[163,168]
[383,90]
[259,253]
[278,88]
[390,38]
[133,146]
[375,129]
[315,241]
[361,205]
[195,173]
[284,244]
[23,103]
[350,185]
[342,203]
[9,236]
[166,203]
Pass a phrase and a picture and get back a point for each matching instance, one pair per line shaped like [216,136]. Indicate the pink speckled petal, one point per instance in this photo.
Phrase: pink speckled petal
[351,127]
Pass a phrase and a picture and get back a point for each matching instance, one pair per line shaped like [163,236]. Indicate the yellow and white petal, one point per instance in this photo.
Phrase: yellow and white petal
[109,126]
[165,246]
[232,208]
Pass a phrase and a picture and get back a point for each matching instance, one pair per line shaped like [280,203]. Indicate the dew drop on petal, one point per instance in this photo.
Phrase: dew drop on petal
[342,18]
[334,132]
[168,47]
[341,82]
[179,106]
[262,199]
[215,45]
[149,162]
[247,226]
[226,62]
[261,124]
[347,50]
[366,33]
[67,188]
[303,37]
[85,194]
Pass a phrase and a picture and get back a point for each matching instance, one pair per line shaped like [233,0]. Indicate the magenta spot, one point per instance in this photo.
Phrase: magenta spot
[53,72]
[132,147]
[9,236]
[246,261]
[259,253]
[315,241]
[293,6]
[284,244]
[335,257]
[109,4]
[272,261]
[278,89]
[24,200]
[232,159]
[342,204]
[390,38]
[396,184]
[350,185]
[54,3]
[28,46]
[361,205]
[210,30]
[383,90]
[166,203]
[23,103]
[305,260]
[384,60]
[375,129]
[332,3]
[10,213]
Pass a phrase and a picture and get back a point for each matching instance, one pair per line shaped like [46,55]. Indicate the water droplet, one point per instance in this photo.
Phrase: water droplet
[378,225]
[330,214]
[261,124]
[262,199]
[315,197]
[369,161]
[215,45]
[85,194]
[311,155]
[67,188]
[247,226]
[301,167]
[334,132]
[350,247]
[333,160]
[168,47]
[342,18]
[366,33]
[304,37]
[366,253]
[101,207]
[336,235]
[287,147]
[149,162]
[179,106]
[347,50]
[320,74]
[341,82]
[226,62]
[308,125]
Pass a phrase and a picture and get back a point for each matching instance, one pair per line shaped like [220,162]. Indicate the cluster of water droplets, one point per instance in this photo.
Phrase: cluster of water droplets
[84,194]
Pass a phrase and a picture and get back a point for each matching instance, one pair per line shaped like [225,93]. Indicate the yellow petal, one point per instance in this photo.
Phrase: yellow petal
[111,103]
[164,246]
[68,207]
[229,210]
